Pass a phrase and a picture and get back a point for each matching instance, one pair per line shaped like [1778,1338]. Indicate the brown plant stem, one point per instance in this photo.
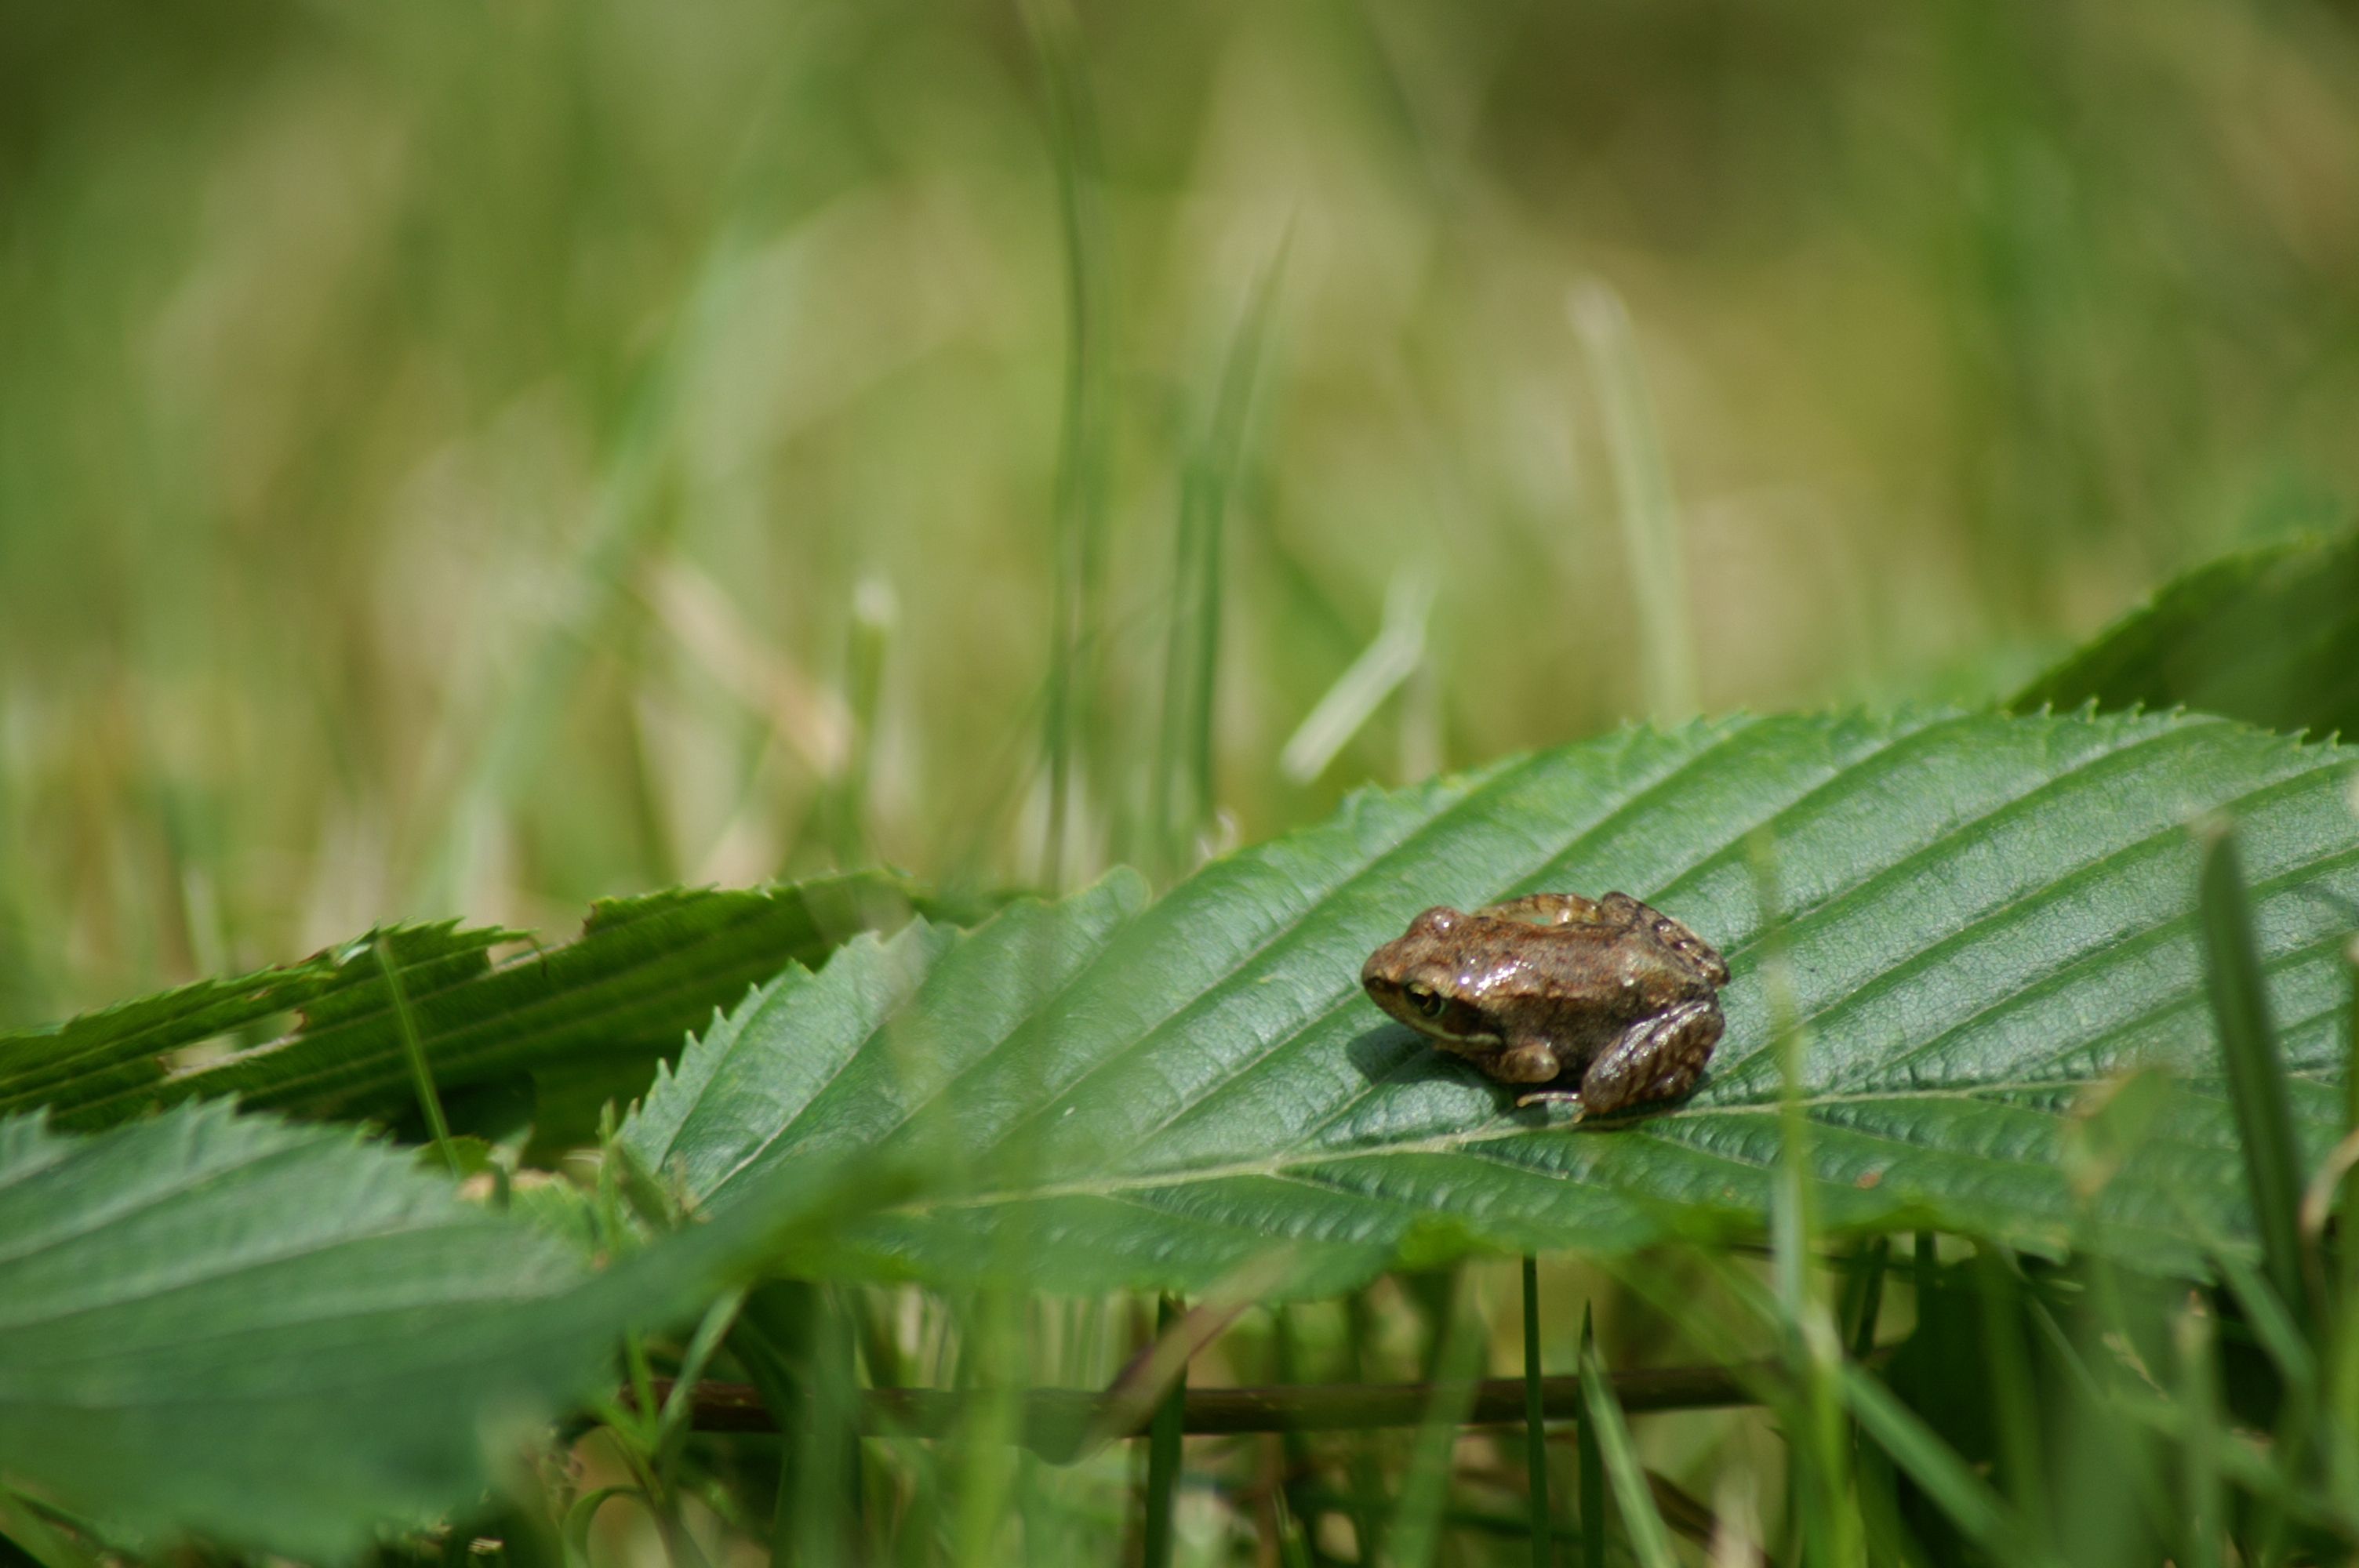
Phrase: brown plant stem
[1057,1423]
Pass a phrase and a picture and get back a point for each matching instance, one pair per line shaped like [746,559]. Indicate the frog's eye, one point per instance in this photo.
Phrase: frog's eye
[1429,1002]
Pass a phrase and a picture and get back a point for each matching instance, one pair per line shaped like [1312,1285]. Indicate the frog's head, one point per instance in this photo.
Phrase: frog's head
[1419,978]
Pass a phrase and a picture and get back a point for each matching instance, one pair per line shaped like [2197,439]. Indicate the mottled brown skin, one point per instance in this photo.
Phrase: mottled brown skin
[1536,987]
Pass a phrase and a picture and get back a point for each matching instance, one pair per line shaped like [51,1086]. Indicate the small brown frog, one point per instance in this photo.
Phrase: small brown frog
[1536,988]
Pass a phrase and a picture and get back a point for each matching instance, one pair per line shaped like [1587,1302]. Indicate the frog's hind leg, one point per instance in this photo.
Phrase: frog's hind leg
[1657,1058]
[1698,954]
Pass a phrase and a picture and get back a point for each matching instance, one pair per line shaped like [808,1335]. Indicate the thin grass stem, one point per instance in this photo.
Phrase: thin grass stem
[2256,1072]
[583,1513]
[1367,1480]
[1080,515]
[1822,1470]
[24,1529]
[429,1103]
[1181,785]
[1382,668]
[1535,1424]
[1650,1538]
[1294,1448]
[2202,1497]
[671,1427]
[1869,1310]
[2009,1370]
[874,613]
[1946,1479]
[1163,1448]
[1415,1533]
[1647,511]
[1590,1459]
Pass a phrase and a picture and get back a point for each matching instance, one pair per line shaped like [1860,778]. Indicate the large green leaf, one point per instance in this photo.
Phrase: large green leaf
[2269,636]
[643,973]
[278,1336]
[1989,918]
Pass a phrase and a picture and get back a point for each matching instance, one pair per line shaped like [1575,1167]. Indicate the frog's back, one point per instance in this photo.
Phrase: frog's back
[1620,971]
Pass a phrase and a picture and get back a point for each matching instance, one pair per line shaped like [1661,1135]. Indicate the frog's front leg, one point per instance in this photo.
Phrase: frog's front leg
[1529,1062]
[1532,1061]
[1657,1058]
[1550,909]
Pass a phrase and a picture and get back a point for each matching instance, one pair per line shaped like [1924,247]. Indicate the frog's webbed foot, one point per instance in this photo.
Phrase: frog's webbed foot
[1657,1058]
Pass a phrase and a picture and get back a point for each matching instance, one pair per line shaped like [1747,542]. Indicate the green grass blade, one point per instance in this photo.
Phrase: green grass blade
[987,1464]
[1078,524]
[1294,1546]
[2272,1325]
[1297,1525]
[1456,1360]
[1933,1465]
[28,1538]
[2256,1072]
[1382,668]
[1650,1538]
[628,523]
[671,1424]
[1181,785]
[1535,1429]
[1649,513]
[2281,1339]
[2106,1497]
[867,647]
[2008,1366]
[2351,1122]
[1882,1530]
[574,1529]
[1820,1467]
[1368,1520]
[1883,1535]
[1116,1068]
[1163,1448]
[771,1320]
[1865,1300]
[2205,1498]
[430,1104]
[2343,1350]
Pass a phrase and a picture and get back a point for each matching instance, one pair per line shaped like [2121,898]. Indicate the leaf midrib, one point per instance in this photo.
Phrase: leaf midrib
[1892,747]
[1443,1143]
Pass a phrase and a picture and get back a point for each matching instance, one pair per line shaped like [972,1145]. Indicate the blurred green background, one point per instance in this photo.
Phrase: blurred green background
[464,459]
